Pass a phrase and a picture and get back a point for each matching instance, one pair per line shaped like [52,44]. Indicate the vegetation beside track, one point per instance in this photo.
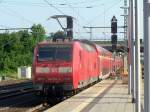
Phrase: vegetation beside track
[16,49]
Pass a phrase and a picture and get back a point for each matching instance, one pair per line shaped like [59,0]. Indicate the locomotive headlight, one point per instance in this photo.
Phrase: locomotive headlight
[65,69]
[42,70]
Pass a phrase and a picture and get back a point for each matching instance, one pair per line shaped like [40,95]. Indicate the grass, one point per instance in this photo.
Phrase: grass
[9,75]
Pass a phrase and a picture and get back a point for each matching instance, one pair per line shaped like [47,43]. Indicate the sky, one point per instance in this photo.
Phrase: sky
[25,13]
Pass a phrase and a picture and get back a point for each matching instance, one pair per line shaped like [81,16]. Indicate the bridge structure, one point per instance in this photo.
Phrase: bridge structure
[121,46]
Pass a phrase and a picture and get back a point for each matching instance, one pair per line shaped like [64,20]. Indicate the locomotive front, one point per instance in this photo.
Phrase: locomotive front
[52,68]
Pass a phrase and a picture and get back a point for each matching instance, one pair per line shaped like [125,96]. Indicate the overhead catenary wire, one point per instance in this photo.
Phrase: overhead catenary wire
[77,14]
[3,26]
[46,1]
[72,5]
[75,11]
[15,28]
[83,2]
[60,10]
[40,3]
[16,13]
[106,10]
[20,16]
[61,5]
[58,5]
[56,9]
[11,13]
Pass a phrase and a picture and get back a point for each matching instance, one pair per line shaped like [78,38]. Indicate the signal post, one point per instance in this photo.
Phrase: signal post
[114,36]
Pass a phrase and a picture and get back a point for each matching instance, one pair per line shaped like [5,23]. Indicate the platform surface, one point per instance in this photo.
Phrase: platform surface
[105,96]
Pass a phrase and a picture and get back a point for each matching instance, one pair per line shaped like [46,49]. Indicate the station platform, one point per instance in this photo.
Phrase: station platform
[105,96]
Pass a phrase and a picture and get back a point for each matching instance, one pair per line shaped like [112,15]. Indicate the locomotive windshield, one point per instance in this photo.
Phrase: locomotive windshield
[54,52]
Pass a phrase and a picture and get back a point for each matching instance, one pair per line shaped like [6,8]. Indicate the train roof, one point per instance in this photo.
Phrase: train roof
[98,48]
[102,50]
[67,42]
[57,42]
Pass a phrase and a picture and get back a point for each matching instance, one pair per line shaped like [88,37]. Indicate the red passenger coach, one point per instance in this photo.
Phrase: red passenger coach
[68,66]
[118,62]
[105,62]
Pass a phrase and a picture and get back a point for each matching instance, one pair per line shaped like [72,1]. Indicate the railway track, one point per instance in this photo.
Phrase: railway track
[39,108]
[15,90]
[18,97]
[45,105]
[22,98]
[9,86]
[20,103]
[48,103]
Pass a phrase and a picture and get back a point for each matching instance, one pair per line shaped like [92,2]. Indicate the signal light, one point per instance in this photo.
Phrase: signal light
[114,25]
[114,39]
[70,27]
[69,22]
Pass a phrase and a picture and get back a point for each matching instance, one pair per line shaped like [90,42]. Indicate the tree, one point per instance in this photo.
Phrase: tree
[38,32]
[59,35]
[16,48]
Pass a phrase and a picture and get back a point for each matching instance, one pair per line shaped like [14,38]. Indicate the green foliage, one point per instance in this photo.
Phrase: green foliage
[38,32]
[16,48]
[58,35]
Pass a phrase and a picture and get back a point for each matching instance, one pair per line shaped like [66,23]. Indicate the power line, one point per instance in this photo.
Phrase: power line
[15,28]
[22,17]
[106,10]
[43,5]
[14,15]
[53,7]
[58,6]
[3,26]
[77,14]
[104,27]
[84,2]
[38,3]
[75,11]
[56,9]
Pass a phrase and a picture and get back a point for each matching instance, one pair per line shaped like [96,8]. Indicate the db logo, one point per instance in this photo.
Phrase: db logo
[54,70]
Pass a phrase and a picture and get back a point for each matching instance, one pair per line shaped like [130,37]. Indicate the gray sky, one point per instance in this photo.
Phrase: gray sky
[23,13]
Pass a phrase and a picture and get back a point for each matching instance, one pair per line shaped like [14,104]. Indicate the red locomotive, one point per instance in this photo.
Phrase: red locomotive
[67,66]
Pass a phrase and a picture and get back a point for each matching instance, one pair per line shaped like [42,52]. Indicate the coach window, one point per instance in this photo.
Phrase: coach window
[95,65]
[80,55]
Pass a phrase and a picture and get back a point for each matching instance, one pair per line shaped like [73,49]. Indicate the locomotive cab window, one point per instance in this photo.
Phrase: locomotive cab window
[45,53]
[63,53]
[54,52]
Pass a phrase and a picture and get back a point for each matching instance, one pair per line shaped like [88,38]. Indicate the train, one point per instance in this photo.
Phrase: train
[59,67]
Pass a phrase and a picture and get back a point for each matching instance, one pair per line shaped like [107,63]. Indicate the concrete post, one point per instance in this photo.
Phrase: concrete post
[132,53]
[146,55]
[137,58]
[129,52]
